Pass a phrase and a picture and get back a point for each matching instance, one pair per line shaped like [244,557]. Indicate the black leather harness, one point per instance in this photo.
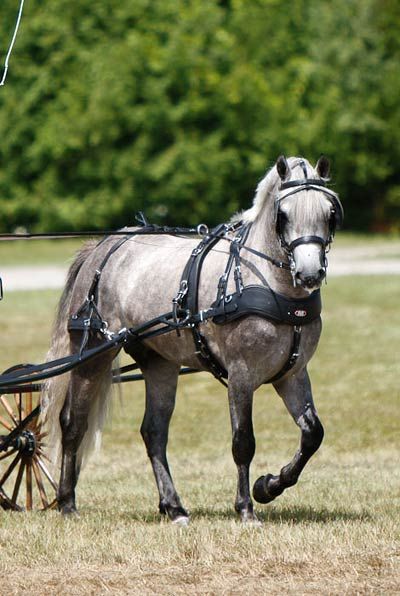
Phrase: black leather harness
[245,301]
[256,300]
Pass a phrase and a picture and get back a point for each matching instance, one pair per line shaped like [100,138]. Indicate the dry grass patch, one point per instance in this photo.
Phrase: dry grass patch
[336,532]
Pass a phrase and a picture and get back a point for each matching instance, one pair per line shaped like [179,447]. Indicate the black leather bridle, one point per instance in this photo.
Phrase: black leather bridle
[295,186]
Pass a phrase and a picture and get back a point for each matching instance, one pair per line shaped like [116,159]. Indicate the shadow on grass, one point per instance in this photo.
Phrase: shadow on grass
[272,515]
[278,515]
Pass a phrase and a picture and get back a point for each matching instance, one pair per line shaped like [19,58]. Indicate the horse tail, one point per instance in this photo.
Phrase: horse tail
[54,391]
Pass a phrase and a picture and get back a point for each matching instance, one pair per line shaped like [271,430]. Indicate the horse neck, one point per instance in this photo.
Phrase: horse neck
[263,237]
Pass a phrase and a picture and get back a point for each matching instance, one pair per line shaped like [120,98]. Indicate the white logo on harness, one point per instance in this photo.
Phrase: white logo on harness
[300,313]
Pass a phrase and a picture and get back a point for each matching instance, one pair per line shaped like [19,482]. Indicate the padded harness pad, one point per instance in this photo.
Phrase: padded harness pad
[264,302]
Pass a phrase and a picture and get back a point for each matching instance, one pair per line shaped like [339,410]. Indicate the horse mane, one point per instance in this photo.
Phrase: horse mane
[267,188]
[264,192]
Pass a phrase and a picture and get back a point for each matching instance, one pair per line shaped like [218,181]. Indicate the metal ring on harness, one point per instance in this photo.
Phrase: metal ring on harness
[202,229]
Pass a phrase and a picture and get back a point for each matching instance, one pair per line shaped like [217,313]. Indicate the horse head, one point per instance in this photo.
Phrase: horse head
[307,214]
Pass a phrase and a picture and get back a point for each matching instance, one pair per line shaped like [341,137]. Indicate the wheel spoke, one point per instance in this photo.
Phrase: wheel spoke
[39,483]
[29,486]
[9,470]
[6,424]
[20,408]
[6,504]
[46,472]
[28,403]
[18,482]
[8,409]
[24,472]
[8,453]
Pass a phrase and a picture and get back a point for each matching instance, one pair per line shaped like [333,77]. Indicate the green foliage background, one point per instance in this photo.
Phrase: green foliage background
[177,107]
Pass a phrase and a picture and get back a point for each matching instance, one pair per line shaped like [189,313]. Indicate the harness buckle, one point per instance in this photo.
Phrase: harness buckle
[222,281]
[183,290]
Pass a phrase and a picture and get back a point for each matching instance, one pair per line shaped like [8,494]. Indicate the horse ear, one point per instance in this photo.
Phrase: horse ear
[282,166]
[323,167]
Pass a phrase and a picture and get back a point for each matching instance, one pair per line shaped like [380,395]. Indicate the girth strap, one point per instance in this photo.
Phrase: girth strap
[293,356]
[206,357]
[187,299]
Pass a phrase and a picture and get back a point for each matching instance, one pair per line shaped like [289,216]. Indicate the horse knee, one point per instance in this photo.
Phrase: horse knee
[154,437]
[312,432]
[243,446]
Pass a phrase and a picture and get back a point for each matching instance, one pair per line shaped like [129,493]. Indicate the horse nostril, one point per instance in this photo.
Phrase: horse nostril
[310,281]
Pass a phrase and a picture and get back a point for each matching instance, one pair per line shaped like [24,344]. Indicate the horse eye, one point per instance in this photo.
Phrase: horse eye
[283,217]
[281,221]
[284,220]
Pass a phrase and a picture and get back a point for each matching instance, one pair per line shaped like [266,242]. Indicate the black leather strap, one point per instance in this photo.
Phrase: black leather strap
[305,182]
[307,240]
[293,356]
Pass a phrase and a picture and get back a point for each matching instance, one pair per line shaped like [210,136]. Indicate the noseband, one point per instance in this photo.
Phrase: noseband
[294,187]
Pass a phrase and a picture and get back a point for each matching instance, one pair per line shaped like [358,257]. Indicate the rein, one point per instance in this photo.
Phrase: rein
[89,321]
[184,313]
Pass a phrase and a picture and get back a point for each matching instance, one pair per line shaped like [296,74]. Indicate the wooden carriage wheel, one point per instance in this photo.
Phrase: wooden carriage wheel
[26,483]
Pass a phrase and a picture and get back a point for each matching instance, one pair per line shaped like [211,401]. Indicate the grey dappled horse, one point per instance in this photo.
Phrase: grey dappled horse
[138,284]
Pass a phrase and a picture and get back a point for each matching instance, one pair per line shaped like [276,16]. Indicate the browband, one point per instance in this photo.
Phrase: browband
[306,182]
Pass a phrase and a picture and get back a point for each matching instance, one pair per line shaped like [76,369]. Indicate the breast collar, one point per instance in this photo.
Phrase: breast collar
[264,302]
[247,300]
[250,300]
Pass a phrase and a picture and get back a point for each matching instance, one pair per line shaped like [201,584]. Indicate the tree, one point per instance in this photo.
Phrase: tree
[176,107]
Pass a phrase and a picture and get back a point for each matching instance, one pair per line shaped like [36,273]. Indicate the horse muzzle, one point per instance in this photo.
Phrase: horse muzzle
[310,282]
[309,266]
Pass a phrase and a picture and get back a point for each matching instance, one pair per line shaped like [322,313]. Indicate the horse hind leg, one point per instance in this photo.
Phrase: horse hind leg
[161,379]
[297,396]
[81,417]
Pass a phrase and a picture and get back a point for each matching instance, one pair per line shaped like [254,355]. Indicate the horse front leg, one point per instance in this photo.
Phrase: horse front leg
[240,393]
[296,394]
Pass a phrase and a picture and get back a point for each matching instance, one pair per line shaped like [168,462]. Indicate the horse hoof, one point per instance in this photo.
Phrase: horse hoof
[70,512]
[181,521]
[255,523]
[260,490]
[251,520]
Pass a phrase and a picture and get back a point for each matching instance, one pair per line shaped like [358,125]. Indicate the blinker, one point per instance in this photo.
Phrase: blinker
[335,220]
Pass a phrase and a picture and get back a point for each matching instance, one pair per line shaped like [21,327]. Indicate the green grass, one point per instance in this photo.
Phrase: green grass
[42,252]
[336,532]
[354,239]
[38,252]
